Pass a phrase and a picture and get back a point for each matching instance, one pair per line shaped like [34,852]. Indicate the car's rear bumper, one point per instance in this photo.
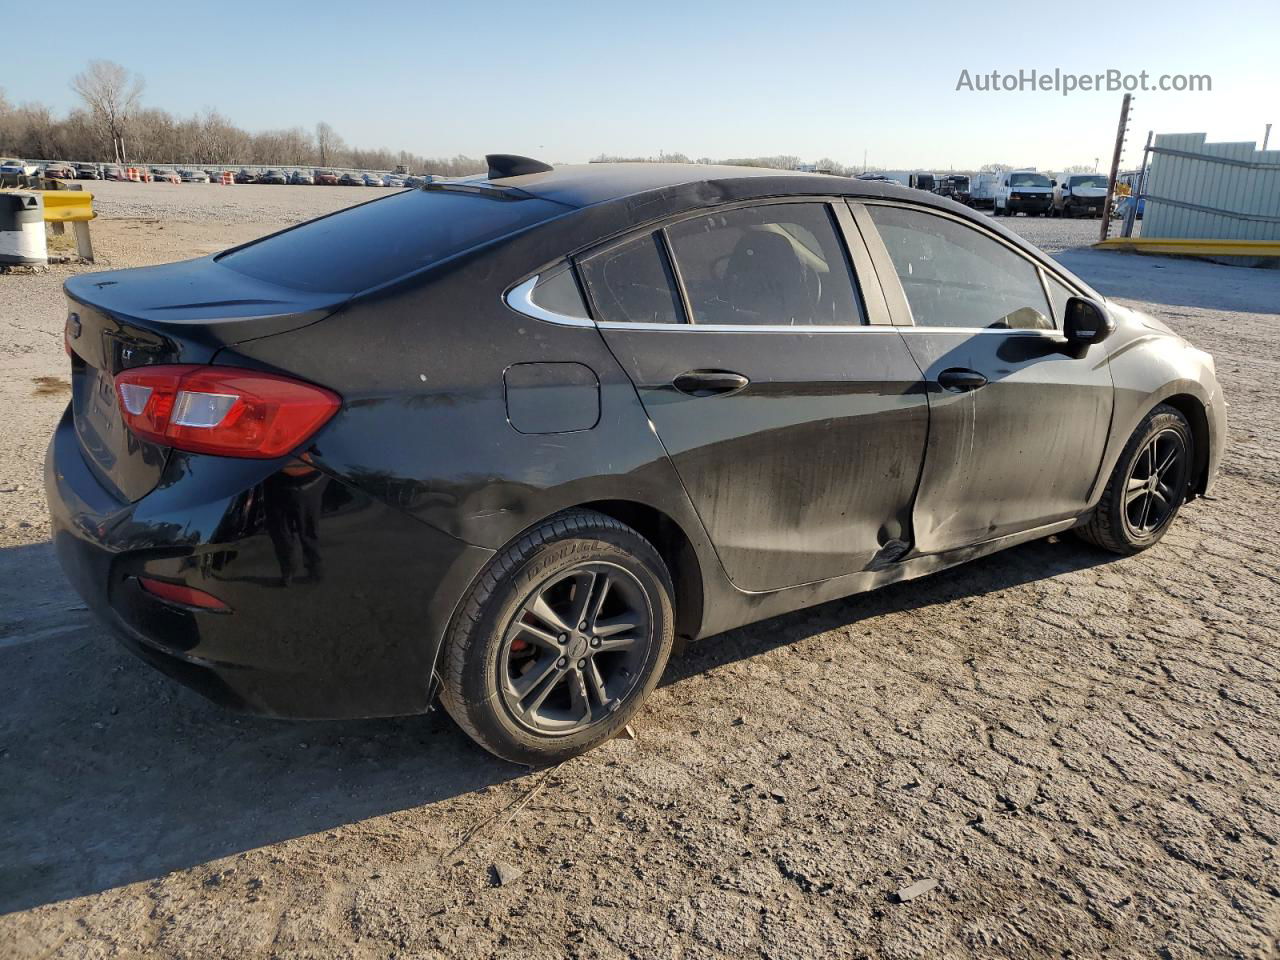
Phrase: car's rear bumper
[338,603]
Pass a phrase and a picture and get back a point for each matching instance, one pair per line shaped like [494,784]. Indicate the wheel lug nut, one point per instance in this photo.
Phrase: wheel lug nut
[595,642]
[562,661]
[582,664]
[582,625]
[564,638]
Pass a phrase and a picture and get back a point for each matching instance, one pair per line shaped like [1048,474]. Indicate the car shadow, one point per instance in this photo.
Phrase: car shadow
[113,774]
[1038,560]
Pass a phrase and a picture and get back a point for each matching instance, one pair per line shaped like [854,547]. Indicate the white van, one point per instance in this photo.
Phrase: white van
[1079,195]
[1024,191]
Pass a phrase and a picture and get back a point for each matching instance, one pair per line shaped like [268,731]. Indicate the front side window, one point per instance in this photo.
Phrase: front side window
[632,283]
[956,276]
[778,264]
[1058,296]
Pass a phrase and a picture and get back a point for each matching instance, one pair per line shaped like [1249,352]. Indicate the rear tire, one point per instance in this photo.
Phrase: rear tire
[560,639]
[1147,487]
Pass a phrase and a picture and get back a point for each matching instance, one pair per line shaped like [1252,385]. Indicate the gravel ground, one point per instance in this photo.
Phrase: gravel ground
[214,203]
[1082,751]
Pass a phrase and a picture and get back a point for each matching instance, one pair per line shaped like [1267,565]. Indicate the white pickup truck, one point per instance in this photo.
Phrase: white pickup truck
[1079,195]
[1023,191]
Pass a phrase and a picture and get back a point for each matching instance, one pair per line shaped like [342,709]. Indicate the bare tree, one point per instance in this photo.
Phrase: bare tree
[111,93]
[328,143]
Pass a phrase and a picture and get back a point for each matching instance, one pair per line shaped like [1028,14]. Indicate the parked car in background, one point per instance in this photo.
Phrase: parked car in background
[273,176]
[392,180]
[88,171]
[1125,203]
[193,176]
[112,171]
[325,177]
[514,478]
[244,176]
[300,177]
[416,180]
[922,181]
[20,168]
[351,180]
[164,175]
[1024,191]
[371,180]
[60,171]
[1080,194]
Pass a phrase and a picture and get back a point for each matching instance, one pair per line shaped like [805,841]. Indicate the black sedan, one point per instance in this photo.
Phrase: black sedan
[504,439]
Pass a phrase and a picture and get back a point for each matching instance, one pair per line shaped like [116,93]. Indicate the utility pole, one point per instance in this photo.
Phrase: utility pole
[1266,137]
[1115,167]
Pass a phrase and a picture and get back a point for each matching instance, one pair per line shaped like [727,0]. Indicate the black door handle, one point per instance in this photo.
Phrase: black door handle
[960,379]
[709,383]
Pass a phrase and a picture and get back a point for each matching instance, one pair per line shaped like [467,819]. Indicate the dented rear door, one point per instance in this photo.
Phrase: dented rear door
[804,467]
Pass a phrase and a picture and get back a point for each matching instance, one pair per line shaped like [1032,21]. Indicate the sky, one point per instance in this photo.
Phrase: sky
[565,81]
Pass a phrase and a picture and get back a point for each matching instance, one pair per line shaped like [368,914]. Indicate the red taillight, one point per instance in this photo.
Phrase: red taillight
[222,410]
[187,596]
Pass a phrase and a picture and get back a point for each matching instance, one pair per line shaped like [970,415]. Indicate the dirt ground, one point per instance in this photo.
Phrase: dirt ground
[1082,751]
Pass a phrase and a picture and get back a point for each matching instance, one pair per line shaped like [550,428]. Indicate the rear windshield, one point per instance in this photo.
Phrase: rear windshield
[373,243]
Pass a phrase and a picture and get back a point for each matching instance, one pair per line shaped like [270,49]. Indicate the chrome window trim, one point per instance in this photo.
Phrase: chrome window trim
[1053,334]
[748,327]
[520,299]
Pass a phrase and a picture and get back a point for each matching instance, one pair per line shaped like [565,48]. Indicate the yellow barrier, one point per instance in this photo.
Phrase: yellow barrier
[1192,247]
[67,206]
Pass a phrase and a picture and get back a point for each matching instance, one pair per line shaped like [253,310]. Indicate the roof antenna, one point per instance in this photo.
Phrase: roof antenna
[511,165]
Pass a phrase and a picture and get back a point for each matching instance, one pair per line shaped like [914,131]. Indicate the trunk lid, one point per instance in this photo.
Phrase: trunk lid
[176,313]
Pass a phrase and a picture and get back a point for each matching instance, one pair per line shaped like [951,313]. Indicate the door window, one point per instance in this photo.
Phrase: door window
[632,283]
[956,276]
[1058,296]
[780,264]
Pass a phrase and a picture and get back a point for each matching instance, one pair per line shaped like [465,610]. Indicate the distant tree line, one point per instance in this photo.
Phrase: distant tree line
[779,162]
[113,124]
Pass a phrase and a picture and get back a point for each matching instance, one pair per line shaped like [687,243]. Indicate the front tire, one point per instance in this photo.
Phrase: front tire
[1147,487]
[560,640]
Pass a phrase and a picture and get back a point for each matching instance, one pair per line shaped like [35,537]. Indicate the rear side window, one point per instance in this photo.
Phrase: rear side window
[955,276]
[557,291]
[632,283]
[778,264]
[377,242]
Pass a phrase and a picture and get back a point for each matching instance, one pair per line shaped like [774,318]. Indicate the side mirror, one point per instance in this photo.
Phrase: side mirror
[1053,183]
[1087,322]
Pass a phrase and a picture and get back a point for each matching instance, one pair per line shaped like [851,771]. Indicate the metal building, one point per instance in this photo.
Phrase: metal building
[1227,191]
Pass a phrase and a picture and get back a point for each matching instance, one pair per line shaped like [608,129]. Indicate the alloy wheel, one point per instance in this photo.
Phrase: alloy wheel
[575,649]
[1153,491]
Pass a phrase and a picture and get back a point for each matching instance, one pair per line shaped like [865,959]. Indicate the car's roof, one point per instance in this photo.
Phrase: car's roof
[581,185]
